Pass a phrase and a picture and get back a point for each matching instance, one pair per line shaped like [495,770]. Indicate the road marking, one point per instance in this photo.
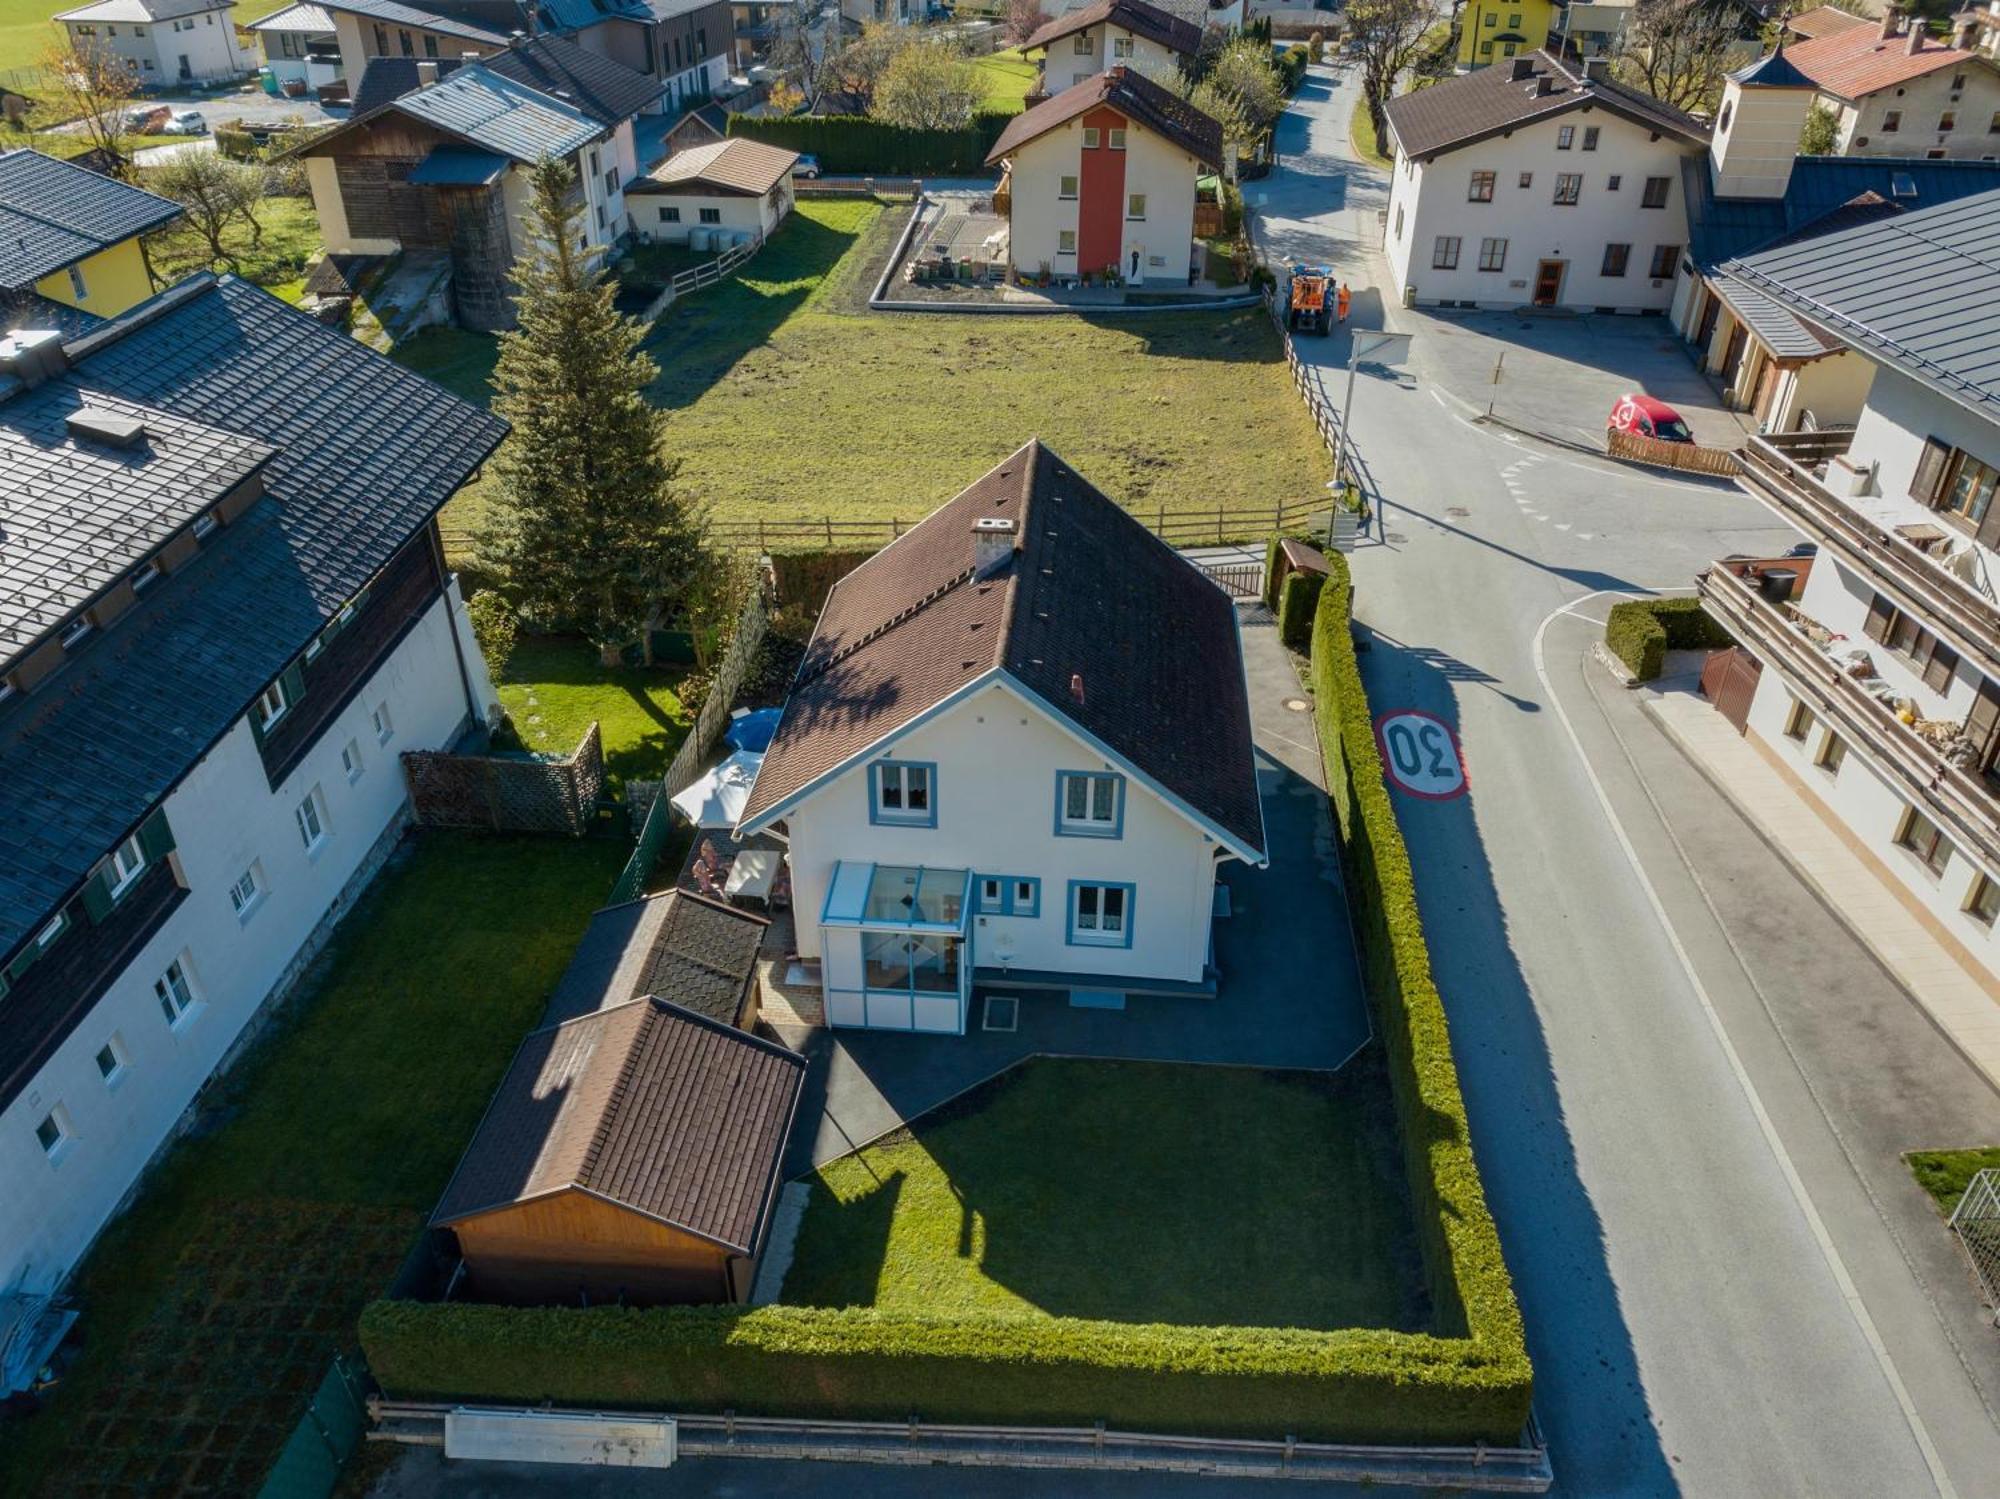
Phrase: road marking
[1844,1282]
[1420,754]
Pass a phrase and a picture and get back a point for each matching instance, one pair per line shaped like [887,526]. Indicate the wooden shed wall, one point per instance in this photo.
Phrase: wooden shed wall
[557,1247]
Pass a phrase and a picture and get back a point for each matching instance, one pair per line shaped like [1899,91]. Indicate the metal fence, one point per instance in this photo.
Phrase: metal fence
[1976,1221]
[324,1439]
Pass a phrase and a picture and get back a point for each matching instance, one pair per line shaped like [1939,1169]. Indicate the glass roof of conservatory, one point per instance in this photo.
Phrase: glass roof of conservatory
[903,897]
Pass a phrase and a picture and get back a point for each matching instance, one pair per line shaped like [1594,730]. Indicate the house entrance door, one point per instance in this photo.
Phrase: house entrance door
[187,72]
[1548,282]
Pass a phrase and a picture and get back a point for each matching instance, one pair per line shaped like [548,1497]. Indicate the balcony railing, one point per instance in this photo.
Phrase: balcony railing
[1961,801]
[1784,470]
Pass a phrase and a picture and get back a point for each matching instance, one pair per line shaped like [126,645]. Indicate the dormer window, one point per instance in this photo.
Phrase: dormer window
[145,575]
[271,706]
[128,862]
[204,526]
[75,630]
[46,937]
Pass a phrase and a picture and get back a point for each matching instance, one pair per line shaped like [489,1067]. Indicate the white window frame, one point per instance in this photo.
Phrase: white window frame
[1085,45]
[310,815]
[1090,137]
[1065,242]
[1099,784]
[385,726]
[1117,138]
[246,895]
[179,1000]
[1135,208]
[351,761]
[1099,932]
[121,1060]
[1066,188]
[46,937]
[57,1119]
[272,704]
[128,862]
[1121,46]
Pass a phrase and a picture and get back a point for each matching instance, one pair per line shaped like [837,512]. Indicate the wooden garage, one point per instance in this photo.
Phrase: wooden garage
[630,1155]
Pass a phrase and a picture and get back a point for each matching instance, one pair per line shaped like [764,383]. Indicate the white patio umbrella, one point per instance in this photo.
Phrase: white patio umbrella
[717,799]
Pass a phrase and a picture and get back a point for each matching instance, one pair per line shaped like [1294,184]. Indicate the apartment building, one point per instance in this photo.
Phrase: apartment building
[1877,686]
[223,614]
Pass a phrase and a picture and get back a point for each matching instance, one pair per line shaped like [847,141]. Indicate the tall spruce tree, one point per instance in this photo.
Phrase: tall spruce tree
[589,528]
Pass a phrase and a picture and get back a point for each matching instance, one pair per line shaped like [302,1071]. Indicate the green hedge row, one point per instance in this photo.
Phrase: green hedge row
[1640,632]
[1470,1288]
[804,579]
[1298,607]
[855,144]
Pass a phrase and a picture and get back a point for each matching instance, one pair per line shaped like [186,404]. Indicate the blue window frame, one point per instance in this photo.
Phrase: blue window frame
[1100,914]
[1007,895]
[1090,804]
[903,793]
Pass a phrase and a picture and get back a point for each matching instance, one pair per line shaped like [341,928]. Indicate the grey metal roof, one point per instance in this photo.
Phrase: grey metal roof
[1920,292]
[1719,228]
[575,15]
[55,213]
[29,310]
[459,166]
[1784,334]
[1773,70]
[480,105]
[312,19]
[142,11]
[366,453]
[607,91]
[397,14]
[77,514]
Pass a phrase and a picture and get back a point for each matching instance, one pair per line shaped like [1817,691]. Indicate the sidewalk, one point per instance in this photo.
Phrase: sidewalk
[1958,1004]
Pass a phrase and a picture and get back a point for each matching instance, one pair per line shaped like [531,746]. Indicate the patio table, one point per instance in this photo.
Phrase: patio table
[752,873]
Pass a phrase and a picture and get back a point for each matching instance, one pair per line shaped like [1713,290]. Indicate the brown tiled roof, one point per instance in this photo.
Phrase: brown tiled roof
[696,952]
[1133,95]
[1135,16]
[1824,20]
[647,1105]
[1860,60]
[736,165]
[1474,106]
[1089,594]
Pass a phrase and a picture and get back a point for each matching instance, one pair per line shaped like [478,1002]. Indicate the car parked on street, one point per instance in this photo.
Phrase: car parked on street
[186,122]
[1645,416]
[806,166]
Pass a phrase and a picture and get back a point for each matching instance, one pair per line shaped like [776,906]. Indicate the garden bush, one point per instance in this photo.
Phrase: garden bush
[1298,600]
[1640,632]
[804,578]
[1292,67]
[856,145]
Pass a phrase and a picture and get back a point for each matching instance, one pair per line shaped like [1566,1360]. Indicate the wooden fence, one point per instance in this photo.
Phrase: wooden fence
[507,793]
[704,275]
[1685,456]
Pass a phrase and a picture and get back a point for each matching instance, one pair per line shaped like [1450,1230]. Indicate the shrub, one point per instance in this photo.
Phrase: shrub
[1292,67]
[495,626]
[1640,632]
[1316,47]
[1298,598]
[854,144]
[804,579]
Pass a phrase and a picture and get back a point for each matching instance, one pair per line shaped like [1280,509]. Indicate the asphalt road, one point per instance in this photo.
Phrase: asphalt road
[1712,1305]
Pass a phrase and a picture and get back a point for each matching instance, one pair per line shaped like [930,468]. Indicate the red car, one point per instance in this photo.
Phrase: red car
[1648,418]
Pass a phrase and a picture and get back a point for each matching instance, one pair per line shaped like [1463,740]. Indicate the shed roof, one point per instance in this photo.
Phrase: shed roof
[459,166]
[1785,334]
[678,946]
[315,20]
[1133,95]
[1474,106]
[55,213]
[647,1105]
[1135,16]
[1118,636]
[1919,292]
[735,165]
[489,109]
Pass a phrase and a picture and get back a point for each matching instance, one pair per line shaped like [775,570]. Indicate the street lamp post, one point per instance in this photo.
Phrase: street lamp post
[1380,347]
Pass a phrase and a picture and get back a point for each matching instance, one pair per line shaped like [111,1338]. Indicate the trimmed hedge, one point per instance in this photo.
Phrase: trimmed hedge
[1640,632]
[857,145]
[1298,604]
[804,579]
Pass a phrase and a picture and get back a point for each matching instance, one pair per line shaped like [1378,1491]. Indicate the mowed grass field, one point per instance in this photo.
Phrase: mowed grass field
[26,31]
[1006,76]
[791,403]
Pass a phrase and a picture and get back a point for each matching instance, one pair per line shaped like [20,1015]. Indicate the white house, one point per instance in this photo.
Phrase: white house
[1014,757]
[1879,691]
[1084,42]
[200,713]
[301,45]
[1535,182]
[166,41]
[739,188]
[1897,91]
[1102,178]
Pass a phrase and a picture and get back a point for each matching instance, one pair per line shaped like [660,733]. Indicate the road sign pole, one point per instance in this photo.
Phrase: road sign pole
[1340,448]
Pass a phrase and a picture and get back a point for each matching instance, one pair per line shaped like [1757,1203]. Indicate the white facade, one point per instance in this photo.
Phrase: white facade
[1949,113]
[669,217]
[363,37]
[996,757]
[197,48]
[1159,246]
[225,820]
[1523,228]
[1069,60]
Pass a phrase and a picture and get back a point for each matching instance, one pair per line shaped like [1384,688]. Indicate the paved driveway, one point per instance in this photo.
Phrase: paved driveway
[1290,995]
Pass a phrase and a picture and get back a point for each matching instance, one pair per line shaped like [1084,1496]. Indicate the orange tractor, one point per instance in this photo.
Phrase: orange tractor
[1312,299]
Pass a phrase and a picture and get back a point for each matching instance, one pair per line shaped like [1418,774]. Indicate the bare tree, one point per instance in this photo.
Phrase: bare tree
[1389,36]
[805,46]
[216,192]
[94,85]
[1678,50]
[1024,19]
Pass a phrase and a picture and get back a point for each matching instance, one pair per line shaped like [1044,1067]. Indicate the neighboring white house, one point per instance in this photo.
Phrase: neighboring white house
[1879,696]
[1084,42]
[1225,15]
[200,716]
[1014,757]
[1102,178]
[1534,182]
[741,189]
[1896,91]
[166,41]
[301,46]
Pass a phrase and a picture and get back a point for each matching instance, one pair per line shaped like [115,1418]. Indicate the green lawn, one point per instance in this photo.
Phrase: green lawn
[1130,1192]
[213,1305]
[291,238]
[1361,131]
[26,31]
[553,687]
[1006,76]
[1945,1173]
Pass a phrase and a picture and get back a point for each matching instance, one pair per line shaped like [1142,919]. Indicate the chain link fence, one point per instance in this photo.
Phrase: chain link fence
[1976,1221]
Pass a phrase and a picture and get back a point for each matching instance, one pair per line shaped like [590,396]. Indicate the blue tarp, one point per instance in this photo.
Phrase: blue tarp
[753,730]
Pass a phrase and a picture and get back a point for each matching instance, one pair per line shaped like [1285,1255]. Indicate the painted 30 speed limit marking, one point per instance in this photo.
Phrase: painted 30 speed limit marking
[1420,752]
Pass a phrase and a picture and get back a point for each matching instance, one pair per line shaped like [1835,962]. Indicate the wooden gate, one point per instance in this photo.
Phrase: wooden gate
[1240,580]
[1729,680]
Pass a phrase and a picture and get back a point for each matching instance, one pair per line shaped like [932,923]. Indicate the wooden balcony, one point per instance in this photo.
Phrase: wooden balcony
[1787,472]
[1963,802]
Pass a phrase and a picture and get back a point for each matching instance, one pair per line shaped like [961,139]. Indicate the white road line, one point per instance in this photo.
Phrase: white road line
[1817,1225]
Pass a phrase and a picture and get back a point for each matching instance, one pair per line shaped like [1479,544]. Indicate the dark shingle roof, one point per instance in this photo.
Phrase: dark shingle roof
[1089,594]
[497,112]
[366,454]
[677,946]
[29,310]
[1133,95]
[1773,70]
[398,14]
[647,1105]
[55,213]
[1474,106]
[607,91]
[387,79]
[1919,292]
[1135,16]
[1719,228]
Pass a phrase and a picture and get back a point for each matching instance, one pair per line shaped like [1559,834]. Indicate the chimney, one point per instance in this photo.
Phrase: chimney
[1596,69]
[1962,38]
[427,72]
[1076,687]
[1889,19]
[1913,31]
[1544,85]
[30,356]
[992,545]
[465,57]
[1524,68]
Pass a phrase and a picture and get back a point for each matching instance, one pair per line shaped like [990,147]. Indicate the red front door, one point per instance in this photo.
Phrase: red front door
[1100,209]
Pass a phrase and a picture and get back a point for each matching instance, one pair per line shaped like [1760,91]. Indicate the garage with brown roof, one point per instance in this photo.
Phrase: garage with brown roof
[727,192]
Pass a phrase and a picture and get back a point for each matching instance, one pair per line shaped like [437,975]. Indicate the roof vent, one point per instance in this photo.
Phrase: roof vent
[1524,68]
[992,545]
[110,428]
[427,72]
[1544,85]
[1076,686]
[32,355]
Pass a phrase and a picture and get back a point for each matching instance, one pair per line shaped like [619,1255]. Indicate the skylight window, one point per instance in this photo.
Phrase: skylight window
[1902,185]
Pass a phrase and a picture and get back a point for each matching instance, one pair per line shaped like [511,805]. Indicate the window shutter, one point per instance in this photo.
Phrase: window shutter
[295,683]
[156,839]
[1929,482]
[1881,613]
[1938,670]
[97,895]
[1982,724]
